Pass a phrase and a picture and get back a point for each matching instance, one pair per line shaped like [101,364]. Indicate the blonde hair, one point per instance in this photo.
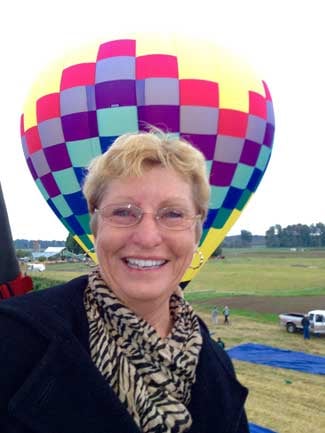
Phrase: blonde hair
[133,154]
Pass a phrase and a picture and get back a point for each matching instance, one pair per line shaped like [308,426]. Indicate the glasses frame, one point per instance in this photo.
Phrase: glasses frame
[191,219]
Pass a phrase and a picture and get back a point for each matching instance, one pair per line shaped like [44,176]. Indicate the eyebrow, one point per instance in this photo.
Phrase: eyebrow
[170,201]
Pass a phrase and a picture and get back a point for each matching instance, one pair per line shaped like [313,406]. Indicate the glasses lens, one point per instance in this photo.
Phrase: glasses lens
[121,215]
[127,215]
[174,218]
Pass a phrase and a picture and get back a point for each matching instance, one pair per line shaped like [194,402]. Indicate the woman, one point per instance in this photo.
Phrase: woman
[119,350]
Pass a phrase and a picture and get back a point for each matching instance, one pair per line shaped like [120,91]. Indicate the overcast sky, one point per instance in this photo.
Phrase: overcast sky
[283,41]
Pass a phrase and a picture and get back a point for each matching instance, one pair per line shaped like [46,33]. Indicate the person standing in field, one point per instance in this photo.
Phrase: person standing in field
[226,313]
[214,315]
[306,323]
[221,343]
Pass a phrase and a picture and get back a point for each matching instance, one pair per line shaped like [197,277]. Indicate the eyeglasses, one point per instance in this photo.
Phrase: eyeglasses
[128,215]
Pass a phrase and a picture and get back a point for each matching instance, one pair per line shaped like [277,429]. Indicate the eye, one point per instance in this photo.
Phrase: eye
[126,213]
[122,215]
[172,213]
[121,212]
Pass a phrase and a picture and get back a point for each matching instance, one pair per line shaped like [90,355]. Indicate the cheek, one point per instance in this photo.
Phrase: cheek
[187,245]
[109,240]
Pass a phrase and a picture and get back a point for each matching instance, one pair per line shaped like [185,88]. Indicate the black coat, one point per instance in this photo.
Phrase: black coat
[49,384]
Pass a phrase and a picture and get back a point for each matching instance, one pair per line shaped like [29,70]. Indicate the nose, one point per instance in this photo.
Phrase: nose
[147,232]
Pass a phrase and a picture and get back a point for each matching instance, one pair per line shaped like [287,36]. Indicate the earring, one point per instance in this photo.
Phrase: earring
[201,260]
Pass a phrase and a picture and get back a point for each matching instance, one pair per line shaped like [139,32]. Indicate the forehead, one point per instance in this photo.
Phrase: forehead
[157,185]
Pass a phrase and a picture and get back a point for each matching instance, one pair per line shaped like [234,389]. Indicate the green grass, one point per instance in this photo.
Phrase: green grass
[202,307]
[68,267]
[259,317]
[264,272]
[42,283]
[57,273]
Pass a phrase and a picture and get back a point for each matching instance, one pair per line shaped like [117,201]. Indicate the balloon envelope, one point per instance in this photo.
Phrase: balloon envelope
[191,88]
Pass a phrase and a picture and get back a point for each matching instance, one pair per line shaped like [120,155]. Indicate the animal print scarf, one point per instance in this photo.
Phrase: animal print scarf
[151,376]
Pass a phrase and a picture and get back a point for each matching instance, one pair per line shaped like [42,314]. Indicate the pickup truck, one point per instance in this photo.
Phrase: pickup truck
[292,321]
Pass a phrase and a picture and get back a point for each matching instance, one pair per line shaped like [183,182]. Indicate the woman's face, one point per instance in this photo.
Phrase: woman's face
[146,262]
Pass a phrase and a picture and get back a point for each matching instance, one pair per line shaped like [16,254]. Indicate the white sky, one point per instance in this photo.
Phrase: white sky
[283,41]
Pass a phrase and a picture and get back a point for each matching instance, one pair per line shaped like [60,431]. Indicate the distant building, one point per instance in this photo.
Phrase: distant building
[54,250]
[48,252]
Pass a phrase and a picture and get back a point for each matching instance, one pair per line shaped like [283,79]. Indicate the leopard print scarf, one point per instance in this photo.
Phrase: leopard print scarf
[151,376]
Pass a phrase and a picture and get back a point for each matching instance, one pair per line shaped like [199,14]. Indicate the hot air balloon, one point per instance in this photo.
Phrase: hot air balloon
[191,88]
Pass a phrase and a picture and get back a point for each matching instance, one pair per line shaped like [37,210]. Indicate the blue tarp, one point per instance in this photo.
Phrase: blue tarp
[253,428]
[280,358]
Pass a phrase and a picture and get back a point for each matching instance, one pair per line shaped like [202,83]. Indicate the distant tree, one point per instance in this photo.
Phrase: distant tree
[271,239]
[246,238]
[296,235]
[23,253]
[317,235]
[22,244]
[25,244]
[45,244]
[304,235]
[218,251]
[73,246]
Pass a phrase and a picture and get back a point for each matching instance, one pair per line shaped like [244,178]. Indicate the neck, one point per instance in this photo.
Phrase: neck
[158,316]
[155,311]
[162,324]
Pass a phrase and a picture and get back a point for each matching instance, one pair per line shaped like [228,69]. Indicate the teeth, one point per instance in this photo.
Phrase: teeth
[140,263]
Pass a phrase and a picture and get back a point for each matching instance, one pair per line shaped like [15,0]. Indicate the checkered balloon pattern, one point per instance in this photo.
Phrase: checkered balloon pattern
[191,89]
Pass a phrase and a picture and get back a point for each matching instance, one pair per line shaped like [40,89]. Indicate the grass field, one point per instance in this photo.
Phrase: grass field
[283,400]
[263,272]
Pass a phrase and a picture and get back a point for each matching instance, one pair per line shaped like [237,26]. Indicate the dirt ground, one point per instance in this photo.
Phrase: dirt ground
[271,304]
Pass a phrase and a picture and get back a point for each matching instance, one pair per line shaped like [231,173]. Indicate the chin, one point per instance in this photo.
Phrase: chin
[145,294]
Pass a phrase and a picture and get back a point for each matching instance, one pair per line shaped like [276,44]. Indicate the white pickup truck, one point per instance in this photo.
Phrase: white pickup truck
[292,321]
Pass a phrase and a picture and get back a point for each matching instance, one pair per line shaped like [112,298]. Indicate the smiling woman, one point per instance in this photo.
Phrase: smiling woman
[124,352]
[146,261]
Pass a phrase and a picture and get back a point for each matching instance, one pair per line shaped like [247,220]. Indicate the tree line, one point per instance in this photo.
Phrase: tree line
[292,236]
[25,244]
[296,235]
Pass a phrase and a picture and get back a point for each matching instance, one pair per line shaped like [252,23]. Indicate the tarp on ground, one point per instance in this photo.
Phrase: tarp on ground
[280,358]
[253,428]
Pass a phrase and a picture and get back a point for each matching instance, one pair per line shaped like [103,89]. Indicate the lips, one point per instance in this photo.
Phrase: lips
[144,263]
